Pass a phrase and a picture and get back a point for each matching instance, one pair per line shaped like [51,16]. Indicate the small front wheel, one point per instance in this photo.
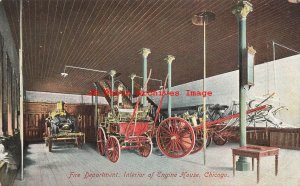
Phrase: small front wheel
[101,141]
[219,139]
[113,150]
[146,149]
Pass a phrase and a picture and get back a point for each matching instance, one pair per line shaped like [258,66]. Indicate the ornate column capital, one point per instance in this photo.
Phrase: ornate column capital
[132,76]
[145,52]
[242,9]
[169,59]
[112,73]
[251,50]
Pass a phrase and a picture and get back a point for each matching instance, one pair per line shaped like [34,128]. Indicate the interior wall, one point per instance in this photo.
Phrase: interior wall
[9,72]
[35,96]
[35,115]
[2,105]
[281,76]
[9,44]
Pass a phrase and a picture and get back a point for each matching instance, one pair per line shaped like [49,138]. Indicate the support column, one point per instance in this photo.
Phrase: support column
[169,59]
[132,76]
[241,11]
[21,90]
[9,101]
[13,98]
[1,91]
[112,74]
[15,102]
[18,106]
[96,106]
[202,19]
[4,94]
[145,52]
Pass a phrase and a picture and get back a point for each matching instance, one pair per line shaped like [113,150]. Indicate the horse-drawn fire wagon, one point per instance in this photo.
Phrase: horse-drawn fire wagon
[176,137]
[125,128]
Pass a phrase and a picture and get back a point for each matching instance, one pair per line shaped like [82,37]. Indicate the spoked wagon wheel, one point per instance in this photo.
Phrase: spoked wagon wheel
[146,149]
[219,139]
[175,137]
[113,149]
[199,143]
[101,141]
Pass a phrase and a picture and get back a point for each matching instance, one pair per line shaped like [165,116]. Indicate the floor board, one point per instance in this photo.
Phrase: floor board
[67,165]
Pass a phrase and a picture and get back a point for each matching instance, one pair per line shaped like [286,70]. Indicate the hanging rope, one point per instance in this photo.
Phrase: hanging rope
[274,58]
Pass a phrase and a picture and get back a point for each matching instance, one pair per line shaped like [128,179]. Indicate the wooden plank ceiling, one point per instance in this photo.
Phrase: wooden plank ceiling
[107,34]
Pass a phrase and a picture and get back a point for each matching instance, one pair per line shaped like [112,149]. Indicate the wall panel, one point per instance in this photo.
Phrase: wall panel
[35,115]
[287,138]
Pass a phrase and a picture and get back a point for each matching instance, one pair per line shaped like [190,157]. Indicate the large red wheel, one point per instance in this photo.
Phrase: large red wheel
[219,139]
[175,137]
[146,149]
[101,141]
[113,149]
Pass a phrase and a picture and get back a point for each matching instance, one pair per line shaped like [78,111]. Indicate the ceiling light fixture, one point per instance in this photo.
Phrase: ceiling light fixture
[64,74]
[160,87]
[202,19]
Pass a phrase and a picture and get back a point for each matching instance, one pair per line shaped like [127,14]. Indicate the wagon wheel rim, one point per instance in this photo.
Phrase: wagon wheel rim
[113,150]
[208,140]
[219,139]
[146,149]
[199,143]
[175,137]
[101,141]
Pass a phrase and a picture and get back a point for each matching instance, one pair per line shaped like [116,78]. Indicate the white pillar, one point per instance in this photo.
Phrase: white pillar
[112,74]
[132,76]
[169,59]
[145,52]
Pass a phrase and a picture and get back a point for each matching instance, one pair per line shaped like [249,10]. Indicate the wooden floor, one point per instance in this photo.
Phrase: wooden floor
[67,165]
